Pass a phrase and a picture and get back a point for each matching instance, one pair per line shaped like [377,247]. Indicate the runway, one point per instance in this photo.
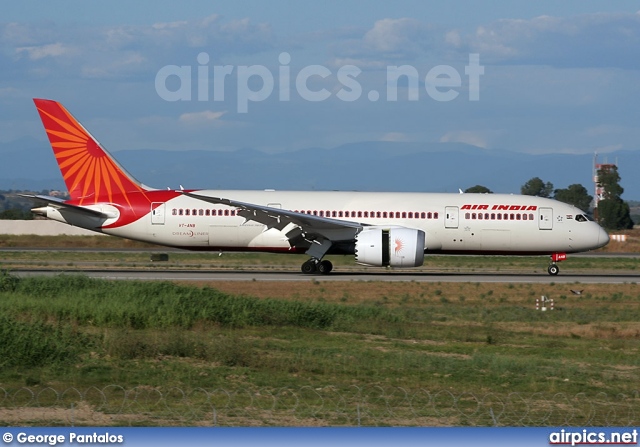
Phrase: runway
[263,275]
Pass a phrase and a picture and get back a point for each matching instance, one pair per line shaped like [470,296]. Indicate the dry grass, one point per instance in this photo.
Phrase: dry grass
[400,293]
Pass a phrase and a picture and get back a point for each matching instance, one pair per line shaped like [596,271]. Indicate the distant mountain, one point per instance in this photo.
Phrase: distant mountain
[366,166]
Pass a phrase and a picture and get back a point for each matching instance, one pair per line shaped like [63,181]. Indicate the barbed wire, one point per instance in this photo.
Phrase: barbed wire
[114,405]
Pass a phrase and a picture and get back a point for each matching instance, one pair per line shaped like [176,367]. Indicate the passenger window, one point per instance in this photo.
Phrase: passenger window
[174,212]
[493,216]
[435,215]
[333,214]
[201,212]
[467,216]
[186,212]
[340,214]
[366,214]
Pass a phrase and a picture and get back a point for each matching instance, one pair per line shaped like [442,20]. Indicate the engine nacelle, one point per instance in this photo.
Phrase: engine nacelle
[395,247]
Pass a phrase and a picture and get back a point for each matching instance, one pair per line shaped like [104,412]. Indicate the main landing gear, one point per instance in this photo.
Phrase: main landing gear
[553,267]
[316,266]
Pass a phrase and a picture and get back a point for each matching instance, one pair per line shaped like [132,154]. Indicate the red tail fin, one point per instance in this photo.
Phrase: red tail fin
[91,175]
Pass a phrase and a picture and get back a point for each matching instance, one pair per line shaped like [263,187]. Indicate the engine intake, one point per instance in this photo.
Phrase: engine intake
[394,247]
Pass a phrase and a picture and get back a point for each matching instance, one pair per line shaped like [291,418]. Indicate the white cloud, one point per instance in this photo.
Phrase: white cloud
[390,40]
[467,137]
[206,116]
[588,40]
[9,91]
[363,63]
[392,35]
[114,67]
[396,137]
[126,51]
[42,51]
[170,25]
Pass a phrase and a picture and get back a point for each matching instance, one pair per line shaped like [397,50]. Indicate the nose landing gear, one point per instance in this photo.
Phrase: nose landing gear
[553,267]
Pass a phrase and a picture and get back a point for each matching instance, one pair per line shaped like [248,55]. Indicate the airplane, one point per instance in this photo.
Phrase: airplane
[381,229]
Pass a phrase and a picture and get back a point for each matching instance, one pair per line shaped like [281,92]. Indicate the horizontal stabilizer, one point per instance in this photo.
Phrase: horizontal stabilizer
[59,203]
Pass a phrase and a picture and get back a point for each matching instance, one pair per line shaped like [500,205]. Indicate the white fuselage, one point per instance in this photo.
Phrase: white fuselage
[453,223]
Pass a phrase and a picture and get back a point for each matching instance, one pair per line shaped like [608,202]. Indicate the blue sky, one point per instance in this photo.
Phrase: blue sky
[557,76]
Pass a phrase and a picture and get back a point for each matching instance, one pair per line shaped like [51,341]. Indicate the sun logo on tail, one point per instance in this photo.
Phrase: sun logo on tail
[90,174]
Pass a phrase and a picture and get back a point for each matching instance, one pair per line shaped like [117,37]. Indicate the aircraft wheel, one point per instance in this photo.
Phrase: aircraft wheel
[325,267]
[554,269]
[309,267]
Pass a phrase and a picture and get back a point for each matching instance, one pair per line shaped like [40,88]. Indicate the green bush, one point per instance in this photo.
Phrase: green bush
[8,283]
[37,344]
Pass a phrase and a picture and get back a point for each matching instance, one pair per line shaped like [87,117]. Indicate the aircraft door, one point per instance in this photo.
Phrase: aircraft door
[451,217]
[545,218]
[157,213]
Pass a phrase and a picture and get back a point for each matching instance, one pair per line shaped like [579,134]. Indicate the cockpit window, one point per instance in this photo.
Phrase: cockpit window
[582,218]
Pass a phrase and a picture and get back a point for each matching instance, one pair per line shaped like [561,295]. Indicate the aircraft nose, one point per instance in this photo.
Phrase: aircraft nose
[603,237]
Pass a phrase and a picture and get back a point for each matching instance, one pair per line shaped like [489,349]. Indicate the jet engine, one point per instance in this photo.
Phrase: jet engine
[394,247]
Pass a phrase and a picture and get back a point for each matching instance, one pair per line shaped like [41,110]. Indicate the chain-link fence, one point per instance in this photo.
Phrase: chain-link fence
[114,405]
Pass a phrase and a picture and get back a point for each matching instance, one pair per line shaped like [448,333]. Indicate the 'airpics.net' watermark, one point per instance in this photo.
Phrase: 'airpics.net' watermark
[255,83]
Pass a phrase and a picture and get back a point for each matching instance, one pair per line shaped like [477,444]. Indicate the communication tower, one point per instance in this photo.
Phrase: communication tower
[599,189]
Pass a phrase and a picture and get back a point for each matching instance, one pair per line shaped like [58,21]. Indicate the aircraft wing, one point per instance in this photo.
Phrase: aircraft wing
[321,232]
[60,203]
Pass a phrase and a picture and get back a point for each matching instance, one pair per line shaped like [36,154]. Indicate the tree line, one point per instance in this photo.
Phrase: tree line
[612,213]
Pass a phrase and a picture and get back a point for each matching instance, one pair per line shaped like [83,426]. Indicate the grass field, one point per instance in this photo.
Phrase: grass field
[72,331]
[466,339]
